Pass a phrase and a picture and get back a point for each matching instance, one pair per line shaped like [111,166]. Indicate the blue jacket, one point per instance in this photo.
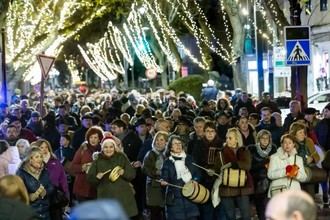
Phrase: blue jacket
[41,205]
[177,206]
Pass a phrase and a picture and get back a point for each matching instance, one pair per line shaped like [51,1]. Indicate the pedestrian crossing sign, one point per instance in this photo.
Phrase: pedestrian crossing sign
[297,46]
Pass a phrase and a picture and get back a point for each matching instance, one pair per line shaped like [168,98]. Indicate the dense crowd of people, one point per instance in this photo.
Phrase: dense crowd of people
[160,155]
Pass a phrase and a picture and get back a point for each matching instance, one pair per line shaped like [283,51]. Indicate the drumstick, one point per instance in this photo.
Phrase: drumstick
[203,168]
[169,184]
[108,171]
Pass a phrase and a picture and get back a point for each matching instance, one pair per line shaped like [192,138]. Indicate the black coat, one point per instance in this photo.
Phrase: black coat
[40,205]
[11,209]
[78,137]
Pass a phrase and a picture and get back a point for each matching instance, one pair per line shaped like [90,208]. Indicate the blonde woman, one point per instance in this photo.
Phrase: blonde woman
[37,182]
[12,186]
[152,165]
[56,172]
[237,156]
[120,189]
[14,199]
[281,172]
[55,169]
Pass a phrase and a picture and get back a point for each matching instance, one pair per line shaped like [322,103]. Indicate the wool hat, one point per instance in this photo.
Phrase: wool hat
[140,121]
[88,115]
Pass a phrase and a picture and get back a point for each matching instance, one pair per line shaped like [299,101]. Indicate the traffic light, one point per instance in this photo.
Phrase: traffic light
[323,5]
[307,6]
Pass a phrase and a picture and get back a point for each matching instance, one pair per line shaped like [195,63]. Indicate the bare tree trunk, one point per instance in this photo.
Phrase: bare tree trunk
[232,10]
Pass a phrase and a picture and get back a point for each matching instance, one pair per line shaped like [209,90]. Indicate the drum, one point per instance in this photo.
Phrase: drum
[114,174]
[196,192]
[315,175]
[234,177]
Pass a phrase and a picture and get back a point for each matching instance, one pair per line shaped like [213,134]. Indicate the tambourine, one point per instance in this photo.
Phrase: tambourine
[114,174]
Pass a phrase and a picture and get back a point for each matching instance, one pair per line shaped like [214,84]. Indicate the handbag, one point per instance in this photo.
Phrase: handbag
[278,189]
[262,186]
[58,198]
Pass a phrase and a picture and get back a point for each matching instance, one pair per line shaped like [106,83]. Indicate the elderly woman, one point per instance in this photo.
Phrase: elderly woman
[82,161]
[22,145]
[152,165]
[260,153]
[235,156]
[286,167]
[101,176]
[178,170]
[306,149]
[37,182]
[56,172]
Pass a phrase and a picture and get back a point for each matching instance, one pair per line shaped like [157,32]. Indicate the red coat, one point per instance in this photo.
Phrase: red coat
[81,187]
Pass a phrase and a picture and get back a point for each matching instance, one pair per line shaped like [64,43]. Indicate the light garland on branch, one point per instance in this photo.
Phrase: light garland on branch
[170,32]
[135,33]
[33,27]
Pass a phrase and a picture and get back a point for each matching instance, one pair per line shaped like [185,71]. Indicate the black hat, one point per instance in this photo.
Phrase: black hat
[140,121]
[310,111]
[222,113]
[184,120]
[35,114]
[12,119]
[87,115]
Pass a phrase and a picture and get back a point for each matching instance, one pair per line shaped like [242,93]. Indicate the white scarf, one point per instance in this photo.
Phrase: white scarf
[181,169]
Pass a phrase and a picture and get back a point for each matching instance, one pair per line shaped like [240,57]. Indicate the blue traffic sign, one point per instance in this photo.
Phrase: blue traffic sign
[297,46]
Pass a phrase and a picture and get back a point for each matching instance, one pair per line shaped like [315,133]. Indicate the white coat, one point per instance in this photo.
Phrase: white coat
[277,172]
[9,161]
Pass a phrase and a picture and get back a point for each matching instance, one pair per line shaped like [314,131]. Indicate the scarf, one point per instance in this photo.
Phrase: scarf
[160,159]
[181,169]
[263,152]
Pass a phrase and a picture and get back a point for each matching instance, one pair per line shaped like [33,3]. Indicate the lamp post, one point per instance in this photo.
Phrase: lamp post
[3,67]
[258,51]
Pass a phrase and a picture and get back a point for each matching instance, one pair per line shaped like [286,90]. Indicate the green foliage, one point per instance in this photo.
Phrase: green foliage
[191,84]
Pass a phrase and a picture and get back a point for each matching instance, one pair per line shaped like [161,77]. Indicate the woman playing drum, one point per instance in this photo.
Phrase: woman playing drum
[152,165]
[178,170]
[235,155]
